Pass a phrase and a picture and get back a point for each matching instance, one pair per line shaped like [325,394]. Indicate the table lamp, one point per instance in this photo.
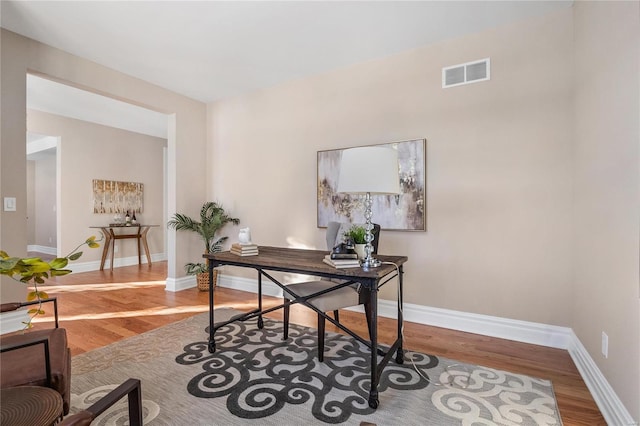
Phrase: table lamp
[369,170]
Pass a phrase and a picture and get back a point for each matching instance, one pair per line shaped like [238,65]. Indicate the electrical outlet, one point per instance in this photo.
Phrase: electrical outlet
[115,248]
[605,345]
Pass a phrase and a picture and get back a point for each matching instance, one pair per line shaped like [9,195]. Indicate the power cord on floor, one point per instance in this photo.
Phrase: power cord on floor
[450,382]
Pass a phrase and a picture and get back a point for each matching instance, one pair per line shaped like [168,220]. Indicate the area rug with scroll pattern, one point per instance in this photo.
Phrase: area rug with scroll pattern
[255,377]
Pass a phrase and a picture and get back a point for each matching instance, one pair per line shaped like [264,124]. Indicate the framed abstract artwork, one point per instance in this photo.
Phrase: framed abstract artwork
[404,212]
[110,196]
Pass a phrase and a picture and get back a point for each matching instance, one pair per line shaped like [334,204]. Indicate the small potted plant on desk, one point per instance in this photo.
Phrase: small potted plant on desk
[212,219]
[357,235]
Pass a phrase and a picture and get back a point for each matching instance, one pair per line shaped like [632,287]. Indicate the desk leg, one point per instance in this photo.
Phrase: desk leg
[143,237]
[139,237]
[113,246]
[373,392]
[260,321]
[105,247]
[400,352]
[212,343]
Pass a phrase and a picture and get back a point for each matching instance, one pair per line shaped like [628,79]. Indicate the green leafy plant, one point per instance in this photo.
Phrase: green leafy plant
[212,219]
[357,234]
[34,270]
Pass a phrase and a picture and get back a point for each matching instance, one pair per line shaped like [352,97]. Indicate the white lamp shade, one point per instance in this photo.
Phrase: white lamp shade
[372,169]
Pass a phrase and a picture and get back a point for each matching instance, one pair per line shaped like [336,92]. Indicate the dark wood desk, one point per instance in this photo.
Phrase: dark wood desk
[309,262]
[110,237]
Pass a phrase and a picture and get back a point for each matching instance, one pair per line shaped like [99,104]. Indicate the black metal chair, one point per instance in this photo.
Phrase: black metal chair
[334,300]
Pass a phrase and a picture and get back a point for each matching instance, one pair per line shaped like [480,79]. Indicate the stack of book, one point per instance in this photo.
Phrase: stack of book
[244,249]
[341,263]
[349,255]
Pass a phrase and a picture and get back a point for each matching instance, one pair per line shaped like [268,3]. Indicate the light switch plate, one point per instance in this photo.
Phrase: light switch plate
[9,204]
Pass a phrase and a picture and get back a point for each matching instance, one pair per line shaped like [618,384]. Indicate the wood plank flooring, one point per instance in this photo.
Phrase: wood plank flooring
[98,308]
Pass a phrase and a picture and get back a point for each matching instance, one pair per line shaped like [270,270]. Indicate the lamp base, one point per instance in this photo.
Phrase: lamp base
[370,262]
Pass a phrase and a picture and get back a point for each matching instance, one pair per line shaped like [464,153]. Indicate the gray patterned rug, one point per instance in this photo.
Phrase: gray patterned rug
[257,378]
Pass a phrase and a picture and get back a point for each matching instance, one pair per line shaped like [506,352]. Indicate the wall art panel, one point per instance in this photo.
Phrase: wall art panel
[404,212]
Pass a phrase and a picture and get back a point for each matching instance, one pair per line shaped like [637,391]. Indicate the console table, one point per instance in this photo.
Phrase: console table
[309,262]
[110,236]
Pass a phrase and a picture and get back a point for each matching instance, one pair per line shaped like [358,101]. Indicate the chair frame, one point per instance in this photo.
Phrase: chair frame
[27,340]
[7,307]
[44,340]
[131,388]
[321,319]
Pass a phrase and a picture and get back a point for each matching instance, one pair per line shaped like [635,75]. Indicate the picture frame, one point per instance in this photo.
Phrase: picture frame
[111,196]
[404,212]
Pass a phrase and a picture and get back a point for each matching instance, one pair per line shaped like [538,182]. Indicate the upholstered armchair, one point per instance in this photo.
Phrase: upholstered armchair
[36,357]
[41,359]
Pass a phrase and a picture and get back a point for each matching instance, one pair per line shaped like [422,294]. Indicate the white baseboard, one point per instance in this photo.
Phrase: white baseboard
[249,284]
[520,331]
[183,283]
[117,262]
[612,409]
[52,251]
[552,336]
[503,328]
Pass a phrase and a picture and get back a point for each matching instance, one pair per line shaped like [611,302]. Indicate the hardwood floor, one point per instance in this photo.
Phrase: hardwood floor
[98,308]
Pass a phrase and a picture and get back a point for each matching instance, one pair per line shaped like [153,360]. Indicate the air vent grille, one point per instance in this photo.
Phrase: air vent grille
[471,72]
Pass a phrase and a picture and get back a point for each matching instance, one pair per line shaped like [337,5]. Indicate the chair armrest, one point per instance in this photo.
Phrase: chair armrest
[131,388]
[28,340]
[32,341]
[7,307]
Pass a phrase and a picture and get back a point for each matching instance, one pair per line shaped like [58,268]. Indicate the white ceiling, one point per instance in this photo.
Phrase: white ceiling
[49,96]
[211,50]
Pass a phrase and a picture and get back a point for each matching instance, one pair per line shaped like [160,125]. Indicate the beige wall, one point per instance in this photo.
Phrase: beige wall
[13,182]
[31,202]
[186,139]
[607,194]
[502,160]
[498,156]
[91,151]
[500,171]
[44,203]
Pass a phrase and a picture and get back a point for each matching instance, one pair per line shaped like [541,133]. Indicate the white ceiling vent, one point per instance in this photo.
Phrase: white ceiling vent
[471,72]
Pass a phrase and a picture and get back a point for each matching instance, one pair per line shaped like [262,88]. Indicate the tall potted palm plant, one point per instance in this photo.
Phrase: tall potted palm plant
[212,219]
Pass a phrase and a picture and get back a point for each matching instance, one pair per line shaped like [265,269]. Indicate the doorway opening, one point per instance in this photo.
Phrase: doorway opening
[96,137]
[42,195]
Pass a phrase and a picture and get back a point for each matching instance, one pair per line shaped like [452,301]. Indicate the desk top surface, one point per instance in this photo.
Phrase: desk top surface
[112,225]
[303,261]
